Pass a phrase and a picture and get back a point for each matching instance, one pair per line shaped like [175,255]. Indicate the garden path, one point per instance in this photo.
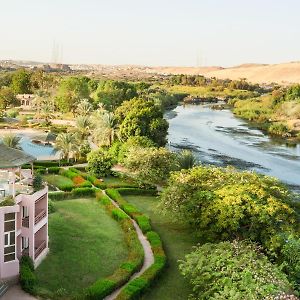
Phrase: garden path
[148,256]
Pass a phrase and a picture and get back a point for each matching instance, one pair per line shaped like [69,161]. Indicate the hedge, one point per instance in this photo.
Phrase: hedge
[136,287]
[27,277]
[118,214]
[137,191]
[68,173]
[76,192]
[142,220]
[103,287]
[53,170]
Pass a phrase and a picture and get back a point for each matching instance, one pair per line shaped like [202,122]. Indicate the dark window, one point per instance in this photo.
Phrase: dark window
[9,226]
[10,249]
[9,217]
[9,257]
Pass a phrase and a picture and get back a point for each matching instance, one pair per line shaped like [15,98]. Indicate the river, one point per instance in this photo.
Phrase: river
[218,137]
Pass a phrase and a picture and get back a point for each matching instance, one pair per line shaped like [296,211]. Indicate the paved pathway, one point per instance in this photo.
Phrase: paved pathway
[148,256]
[16,293]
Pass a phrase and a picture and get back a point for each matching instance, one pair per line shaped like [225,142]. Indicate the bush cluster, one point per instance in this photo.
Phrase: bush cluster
[27,277]
[76,192]
[135,288]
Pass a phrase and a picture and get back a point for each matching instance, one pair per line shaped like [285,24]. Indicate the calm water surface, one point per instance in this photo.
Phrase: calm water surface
[218,137]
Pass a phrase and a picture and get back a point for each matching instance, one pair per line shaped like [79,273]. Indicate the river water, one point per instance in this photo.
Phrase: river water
[217,137]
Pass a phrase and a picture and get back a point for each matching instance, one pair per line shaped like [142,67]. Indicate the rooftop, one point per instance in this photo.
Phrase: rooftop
[13,158]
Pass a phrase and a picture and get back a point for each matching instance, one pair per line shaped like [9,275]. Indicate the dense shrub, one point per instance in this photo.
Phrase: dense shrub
[223,203]
[118,214]
[53,170]
[144,223]
[59,195]
[51,207]
[99,163]
[37,183]
[68,173]
[27,277]
[236,270]
[83,191]
[137,191]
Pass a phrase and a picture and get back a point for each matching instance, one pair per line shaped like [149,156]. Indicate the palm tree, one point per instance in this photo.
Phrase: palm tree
[186,160]
[11,140]
[84,108]
[106,129]
[83,127]
[67,144]
[46,112]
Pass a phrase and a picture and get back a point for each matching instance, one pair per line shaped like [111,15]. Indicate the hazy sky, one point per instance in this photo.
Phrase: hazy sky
[151,32]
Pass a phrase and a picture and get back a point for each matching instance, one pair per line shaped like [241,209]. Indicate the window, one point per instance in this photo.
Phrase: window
[9,237]
[25,211]
[25,242]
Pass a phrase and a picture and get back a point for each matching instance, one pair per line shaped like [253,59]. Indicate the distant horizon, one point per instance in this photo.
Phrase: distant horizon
[151,66]
[157,33]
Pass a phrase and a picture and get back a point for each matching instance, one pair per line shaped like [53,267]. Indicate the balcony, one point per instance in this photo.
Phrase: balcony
[39,248]
[40,215]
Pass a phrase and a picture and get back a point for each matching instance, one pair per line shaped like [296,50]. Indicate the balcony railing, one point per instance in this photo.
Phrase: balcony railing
[39,249]
[41,215]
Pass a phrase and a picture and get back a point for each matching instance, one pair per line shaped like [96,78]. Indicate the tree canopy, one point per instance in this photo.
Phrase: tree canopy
[225,203]
[21,82]
[70,92]
[138,117]
[113,93]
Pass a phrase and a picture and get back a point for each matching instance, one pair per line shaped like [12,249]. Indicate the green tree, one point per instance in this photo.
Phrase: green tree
[133,142]
[112,93]
[99,162]
[225,203]
[138,117]
[67,144]
[106,128]
[152,165]
[7,98]
[11,140]
[21,82]
[84,108]
[83,127]
[70,92]
[235,271]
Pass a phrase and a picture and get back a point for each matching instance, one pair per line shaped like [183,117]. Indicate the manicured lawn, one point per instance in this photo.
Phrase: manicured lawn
[177,242]
[112,181]
[85,244]
[59,181]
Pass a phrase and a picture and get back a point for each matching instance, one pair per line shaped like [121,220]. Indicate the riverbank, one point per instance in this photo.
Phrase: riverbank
[218,137]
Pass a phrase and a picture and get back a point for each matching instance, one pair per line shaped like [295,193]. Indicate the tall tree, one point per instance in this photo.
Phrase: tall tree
[112,93]
[67,144]
[7,98]
[106,129]
[138,117]
[21,82]
[70,92]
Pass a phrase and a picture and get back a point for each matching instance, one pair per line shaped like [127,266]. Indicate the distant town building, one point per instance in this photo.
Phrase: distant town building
[26,100]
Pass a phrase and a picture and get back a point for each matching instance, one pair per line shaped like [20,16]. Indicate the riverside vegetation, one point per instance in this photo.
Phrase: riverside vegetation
[245,226]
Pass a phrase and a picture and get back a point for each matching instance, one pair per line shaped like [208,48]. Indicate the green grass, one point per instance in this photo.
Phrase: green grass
[86,244]
[202,91]
[177,241]
[61,182]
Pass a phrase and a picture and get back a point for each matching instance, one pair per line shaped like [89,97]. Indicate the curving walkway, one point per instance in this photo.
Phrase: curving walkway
[148,255]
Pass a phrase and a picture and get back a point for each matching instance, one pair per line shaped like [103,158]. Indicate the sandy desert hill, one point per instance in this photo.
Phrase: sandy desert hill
[285,73]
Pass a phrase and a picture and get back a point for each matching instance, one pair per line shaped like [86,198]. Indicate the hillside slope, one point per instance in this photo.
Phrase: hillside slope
[285,73]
